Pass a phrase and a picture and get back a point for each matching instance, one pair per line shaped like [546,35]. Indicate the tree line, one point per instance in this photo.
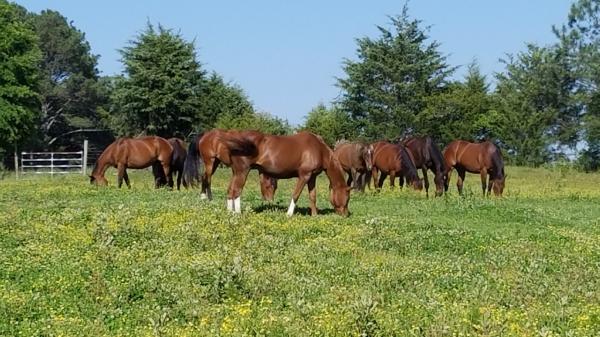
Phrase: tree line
[544,106]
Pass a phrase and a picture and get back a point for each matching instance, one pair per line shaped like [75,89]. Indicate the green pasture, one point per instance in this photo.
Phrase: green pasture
[77,260]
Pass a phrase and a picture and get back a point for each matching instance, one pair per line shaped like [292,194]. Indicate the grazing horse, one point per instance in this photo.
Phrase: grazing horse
[136,153]
[427,155]
[393,159]
[206,151]
[483,158]
[356,160]
[177,162]
[303,155]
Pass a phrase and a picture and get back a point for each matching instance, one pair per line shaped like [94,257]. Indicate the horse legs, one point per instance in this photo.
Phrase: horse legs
[490,184]
[354,175]
[126,178]
[210,166]
[312,194]
[392,179]
[401,181]
[349,180]
[167,171]
[120,174]
[381,180]
[179,176]
[460,180]
[483,174]
[302,180]
[362,181]
[376,183]
[426,180]
[235,190]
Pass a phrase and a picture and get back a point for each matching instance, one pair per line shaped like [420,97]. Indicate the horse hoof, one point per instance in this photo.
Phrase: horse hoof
[203,196]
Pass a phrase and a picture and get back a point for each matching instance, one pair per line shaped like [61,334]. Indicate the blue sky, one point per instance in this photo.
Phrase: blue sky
[287,54]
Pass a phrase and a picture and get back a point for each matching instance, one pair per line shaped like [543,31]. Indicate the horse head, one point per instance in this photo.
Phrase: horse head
[339,192]
[98,180]
[417,184]
[367,155]
[441,181]
[339,197]
[498,186]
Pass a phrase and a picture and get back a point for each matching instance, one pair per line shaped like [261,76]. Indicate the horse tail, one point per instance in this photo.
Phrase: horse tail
[240,146]
[435,155]
[497,162]
[192,163]
[408,166]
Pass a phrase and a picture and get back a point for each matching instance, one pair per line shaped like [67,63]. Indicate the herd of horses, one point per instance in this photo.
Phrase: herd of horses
[303,155]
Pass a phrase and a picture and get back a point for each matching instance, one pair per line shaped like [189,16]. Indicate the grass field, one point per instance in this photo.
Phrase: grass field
[86,261]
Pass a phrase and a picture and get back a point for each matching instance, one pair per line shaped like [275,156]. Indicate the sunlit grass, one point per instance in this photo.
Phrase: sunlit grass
[80,260]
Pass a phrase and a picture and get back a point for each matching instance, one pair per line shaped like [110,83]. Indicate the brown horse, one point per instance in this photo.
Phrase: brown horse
[136,153]
[302,155]
[177,162]
[483,158]
[393,159]
[357,160]
[207,151]
[427,156]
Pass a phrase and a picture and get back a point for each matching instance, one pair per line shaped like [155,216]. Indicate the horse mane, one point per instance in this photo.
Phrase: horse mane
[498,162]
[343,141]
[435,155]
[407,164]
[104,154]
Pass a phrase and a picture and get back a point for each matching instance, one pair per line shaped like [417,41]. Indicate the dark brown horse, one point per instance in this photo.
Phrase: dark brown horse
[393,159]
[136,153]
[483,158]
[302,155]
[427,156]
[177,162]
[357,160]
[207,151]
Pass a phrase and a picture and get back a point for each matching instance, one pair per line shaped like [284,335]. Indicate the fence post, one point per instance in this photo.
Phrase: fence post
[16,163]
[51,164]
[85,155]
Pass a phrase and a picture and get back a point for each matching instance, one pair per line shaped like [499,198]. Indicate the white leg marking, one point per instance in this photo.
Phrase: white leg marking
[290,211]
[230,205]
[237,205]
[203,196]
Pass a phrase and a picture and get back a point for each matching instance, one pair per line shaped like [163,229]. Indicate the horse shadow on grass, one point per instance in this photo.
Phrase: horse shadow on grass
[279,208]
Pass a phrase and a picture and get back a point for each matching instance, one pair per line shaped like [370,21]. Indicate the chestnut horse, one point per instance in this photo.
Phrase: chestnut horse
[483,158]
[393,159]
[356,160]
[427,156]
[207,151]
[177,162]
[136,153]
[303,155]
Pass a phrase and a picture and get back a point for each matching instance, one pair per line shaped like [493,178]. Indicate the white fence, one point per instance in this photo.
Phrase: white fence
[53,162]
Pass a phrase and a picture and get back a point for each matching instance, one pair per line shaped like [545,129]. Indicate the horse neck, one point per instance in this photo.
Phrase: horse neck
[103,162]
[333,169]
[405,159]
[436,157]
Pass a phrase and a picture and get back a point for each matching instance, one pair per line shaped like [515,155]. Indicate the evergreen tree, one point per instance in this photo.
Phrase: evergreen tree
[534,104]
[387,87]
[69,89]
[461,111]
[160,91]
[220,98]
[260,121]
[19,75]
[580,37]
[331,124]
